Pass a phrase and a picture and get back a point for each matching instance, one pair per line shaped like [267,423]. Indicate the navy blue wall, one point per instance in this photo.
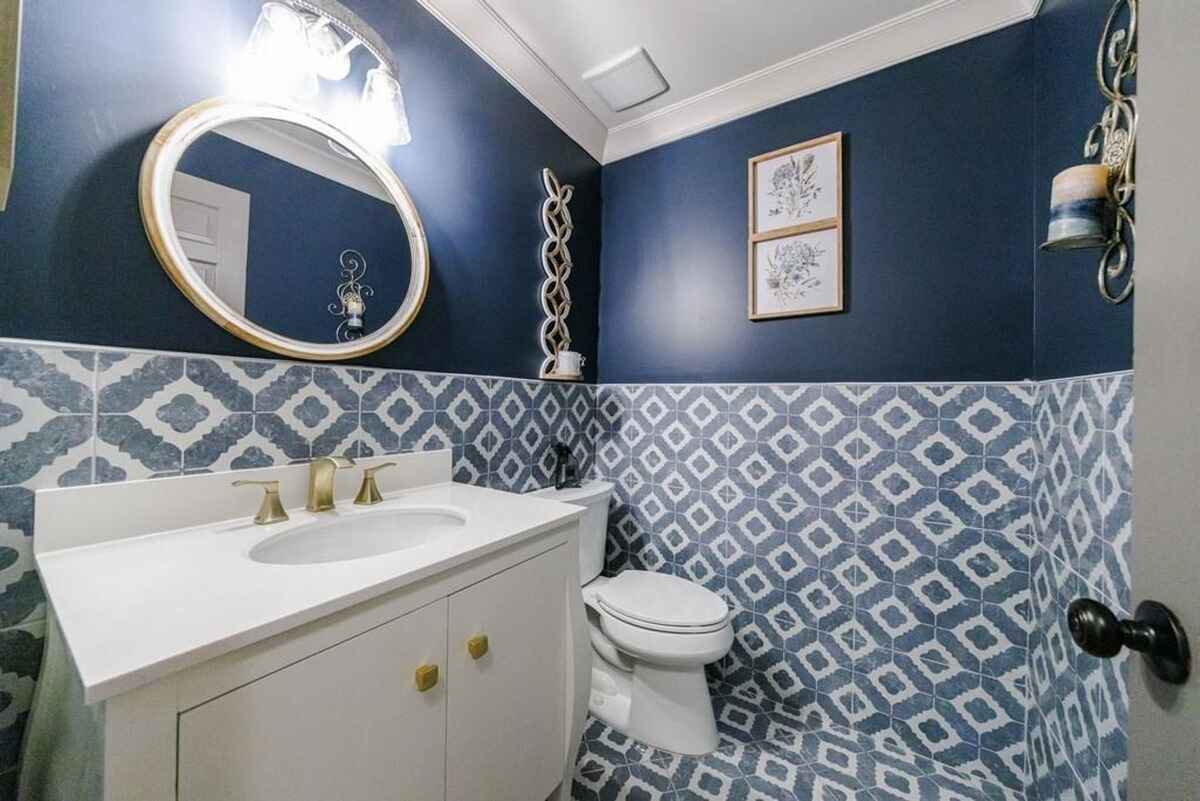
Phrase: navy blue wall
[300,223]
[98,79]
[1076,331]
[949,159]
[938,258]
[948,166]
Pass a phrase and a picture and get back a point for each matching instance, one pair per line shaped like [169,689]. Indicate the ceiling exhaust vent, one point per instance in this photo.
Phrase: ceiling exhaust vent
[627,80]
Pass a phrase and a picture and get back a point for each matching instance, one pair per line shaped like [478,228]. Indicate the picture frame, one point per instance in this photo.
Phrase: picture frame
[794,242]
[10,61]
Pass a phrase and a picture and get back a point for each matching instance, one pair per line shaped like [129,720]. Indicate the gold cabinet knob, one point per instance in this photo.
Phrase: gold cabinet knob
[427,677]
[477,646]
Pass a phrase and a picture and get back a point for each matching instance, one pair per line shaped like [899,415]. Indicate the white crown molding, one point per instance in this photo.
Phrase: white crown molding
[931,27]
[938,24]
[482,29]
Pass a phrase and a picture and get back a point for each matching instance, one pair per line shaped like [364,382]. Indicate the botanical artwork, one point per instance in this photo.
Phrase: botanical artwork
[797,274]
[795,236]
[792,271]
[794,187]
[797,186]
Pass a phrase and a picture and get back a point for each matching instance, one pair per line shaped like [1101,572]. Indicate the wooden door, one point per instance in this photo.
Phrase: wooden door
[505,719]
[347,724]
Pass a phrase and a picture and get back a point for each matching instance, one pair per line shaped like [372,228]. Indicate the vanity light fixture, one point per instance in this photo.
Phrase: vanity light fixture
[383,112]
[296,43]
[277,63]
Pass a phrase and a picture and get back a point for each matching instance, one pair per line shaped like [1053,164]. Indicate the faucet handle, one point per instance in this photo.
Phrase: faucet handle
[272,510]
[368,491]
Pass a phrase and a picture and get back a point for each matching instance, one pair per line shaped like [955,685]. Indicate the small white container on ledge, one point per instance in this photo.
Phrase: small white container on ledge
[568,365]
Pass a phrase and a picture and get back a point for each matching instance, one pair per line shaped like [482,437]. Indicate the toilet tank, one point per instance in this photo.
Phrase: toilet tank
[593,528]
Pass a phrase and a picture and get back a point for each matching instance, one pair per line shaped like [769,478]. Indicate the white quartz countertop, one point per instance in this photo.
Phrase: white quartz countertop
[135,610]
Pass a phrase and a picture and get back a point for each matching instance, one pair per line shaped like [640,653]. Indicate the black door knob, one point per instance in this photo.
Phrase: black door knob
[1154,631]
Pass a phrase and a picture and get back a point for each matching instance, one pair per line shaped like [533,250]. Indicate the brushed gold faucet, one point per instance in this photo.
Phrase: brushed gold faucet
[320,481]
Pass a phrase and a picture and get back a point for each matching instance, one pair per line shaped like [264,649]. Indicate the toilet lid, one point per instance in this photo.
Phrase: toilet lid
[658,600]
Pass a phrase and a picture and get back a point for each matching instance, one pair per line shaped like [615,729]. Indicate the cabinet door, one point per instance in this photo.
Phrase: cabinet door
[347,724]
[505,726]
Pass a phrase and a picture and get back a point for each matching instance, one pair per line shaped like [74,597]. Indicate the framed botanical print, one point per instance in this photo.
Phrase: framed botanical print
[795,230]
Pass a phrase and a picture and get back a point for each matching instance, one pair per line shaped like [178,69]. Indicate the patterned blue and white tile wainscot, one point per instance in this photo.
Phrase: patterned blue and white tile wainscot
[1083,526]
[875,542]
[73,416]
[895,552]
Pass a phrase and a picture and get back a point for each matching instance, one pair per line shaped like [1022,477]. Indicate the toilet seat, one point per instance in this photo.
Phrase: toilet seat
[661,628]
[662,603]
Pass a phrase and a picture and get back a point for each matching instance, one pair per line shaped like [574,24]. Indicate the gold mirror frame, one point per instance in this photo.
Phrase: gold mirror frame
[154,197]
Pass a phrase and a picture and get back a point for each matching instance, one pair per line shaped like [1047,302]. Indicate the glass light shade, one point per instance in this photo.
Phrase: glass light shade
[329,54]
[383,116]
[278,63]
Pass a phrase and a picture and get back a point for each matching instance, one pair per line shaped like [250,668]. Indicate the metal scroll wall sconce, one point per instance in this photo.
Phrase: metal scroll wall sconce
[561,363]
[1090,203]
[351,304]
[295,42]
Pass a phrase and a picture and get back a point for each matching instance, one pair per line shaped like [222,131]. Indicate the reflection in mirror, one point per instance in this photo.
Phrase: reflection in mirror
[291,231]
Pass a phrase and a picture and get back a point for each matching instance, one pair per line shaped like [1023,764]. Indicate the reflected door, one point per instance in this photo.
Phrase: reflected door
[213,224]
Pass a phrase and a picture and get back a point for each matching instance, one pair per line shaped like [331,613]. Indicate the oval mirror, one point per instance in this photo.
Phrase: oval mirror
[283,229]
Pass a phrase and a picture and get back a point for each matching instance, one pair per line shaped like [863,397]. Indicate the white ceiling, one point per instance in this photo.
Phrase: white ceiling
[723,59]
[697,45]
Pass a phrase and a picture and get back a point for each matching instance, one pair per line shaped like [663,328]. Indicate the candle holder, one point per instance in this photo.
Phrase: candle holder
[352,293]
[1081,215]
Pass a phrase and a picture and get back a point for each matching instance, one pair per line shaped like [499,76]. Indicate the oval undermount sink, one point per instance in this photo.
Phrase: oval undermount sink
[356,536]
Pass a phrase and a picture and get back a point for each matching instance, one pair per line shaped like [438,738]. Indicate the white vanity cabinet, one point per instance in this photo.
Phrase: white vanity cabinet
[350,723]
[505,717]
[180,667]
[347,723]
[333,710]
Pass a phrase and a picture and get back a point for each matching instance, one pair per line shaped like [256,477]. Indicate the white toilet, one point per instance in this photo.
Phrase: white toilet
[653,634]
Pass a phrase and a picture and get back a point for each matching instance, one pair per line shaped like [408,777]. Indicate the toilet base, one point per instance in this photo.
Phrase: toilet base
[610,696]
[668,708]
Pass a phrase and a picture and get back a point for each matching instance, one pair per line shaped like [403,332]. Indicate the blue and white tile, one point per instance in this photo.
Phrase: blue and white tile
[148,413]
[985,565]
[46,407]
[771,755]
[324,410]
[21,596]
[20,662]
[389,410]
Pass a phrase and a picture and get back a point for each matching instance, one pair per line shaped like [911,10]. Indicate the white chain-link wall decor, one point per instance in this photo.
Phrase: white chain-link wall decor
[556,264]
